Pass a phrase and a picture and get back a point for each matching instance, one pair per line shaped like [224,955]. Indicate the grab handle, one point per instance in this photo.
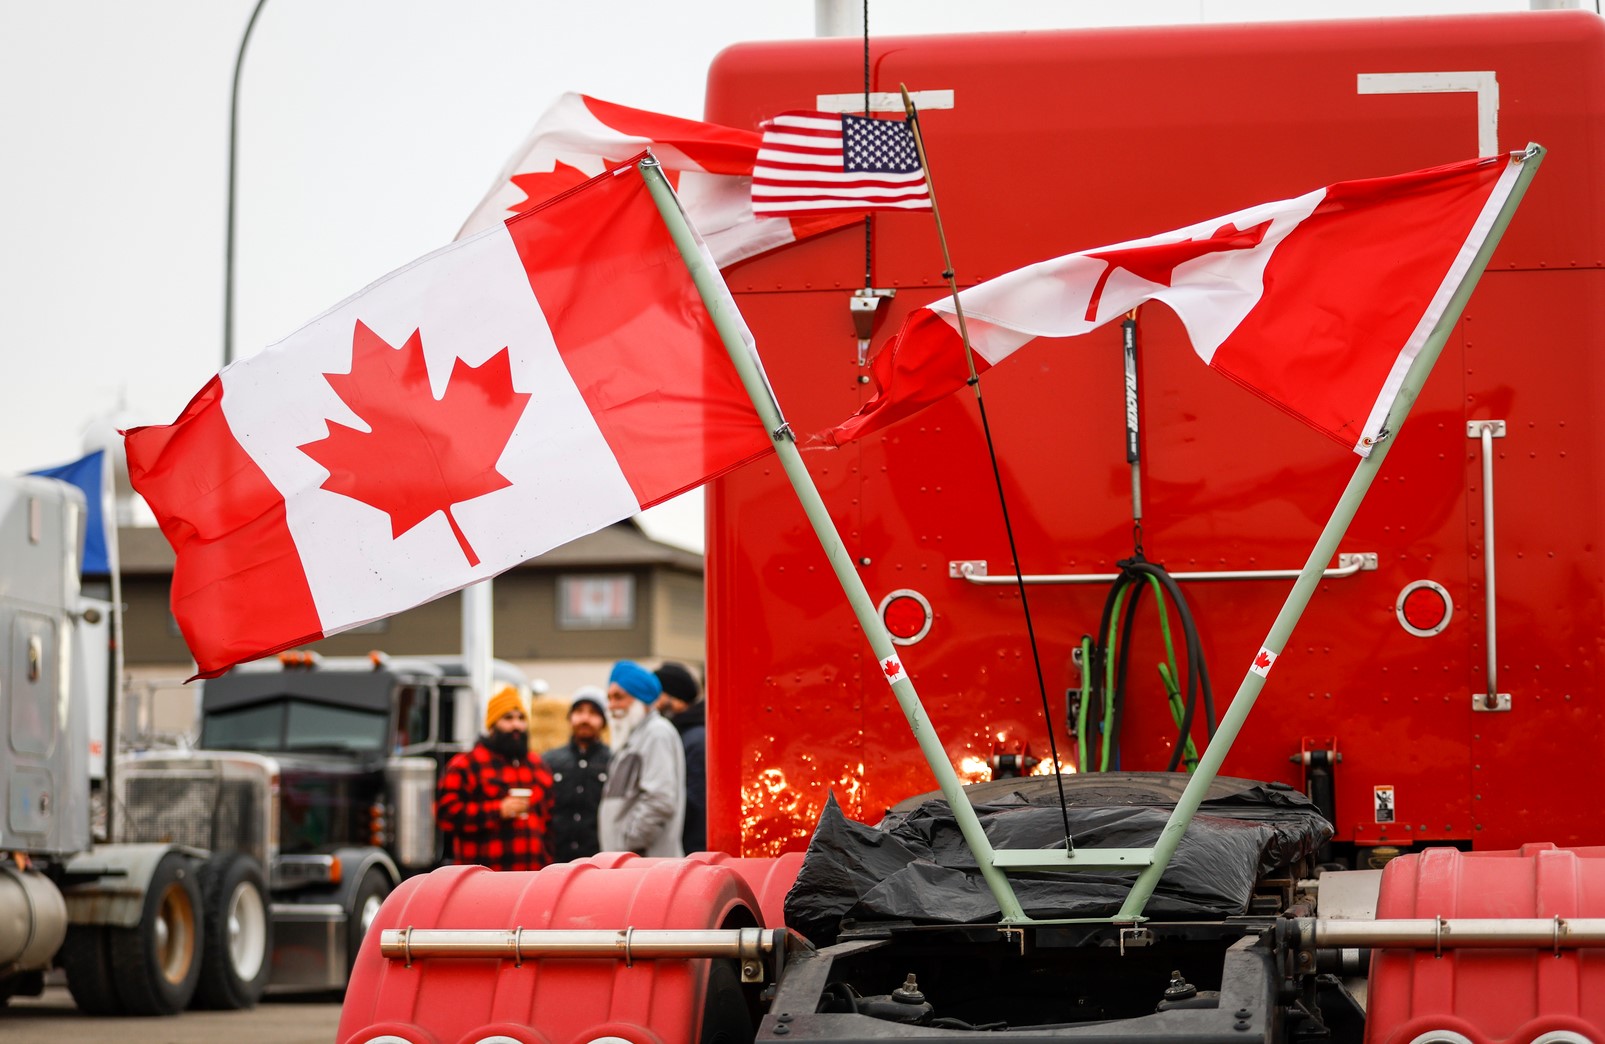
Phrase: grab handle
[974,571]
[1487,431]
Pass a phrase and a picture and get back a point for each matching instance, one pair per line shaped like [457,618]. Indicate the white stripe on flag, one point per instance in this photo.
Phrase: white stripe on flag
[468,301]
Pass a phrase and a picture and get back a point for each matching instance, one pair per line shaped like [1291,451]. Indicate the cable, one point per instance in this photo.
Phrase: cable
[1112,660]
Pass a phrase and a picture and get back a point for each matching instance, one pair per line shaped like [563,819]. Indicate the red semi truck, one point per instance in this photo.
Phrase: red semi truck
[1439,703]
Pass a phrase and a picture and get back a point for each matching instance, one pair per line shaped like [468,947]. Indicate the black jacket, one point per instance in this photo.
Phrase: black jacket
[692,724]
[578,777]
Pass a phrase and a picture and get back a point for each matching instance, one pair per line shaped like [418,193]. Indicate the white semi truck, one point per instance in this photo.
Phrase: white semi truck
[257,856]
[126,921]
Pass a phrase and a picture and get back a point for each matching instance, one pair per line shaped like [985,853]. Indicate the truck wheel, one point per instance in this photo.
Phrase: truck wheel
[86,958]
[365,903]
[238,934]
[156,964]
[725,1017]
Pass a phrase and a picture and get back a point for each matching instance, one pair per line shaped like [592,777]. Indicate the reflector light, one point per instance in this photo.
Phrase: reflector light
[907,616]
[1424,608]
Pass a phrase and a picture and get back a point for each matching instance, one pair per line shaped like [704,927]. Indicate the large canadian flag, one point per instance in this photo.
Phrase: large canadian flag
[1318,304]
[709,165]
[515,390]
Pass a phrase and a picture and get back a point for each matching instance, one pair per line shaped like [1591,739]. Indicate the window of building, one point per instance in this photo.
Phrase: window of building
[598,602]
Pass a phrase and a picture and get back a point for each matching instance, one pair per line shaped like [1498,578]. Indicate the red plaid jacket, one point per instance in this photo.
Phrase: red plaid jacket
[468,808]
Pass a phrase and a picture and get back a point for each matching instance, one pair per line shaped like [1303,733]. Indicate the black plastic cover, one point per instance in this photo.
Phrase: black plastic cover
[916,867]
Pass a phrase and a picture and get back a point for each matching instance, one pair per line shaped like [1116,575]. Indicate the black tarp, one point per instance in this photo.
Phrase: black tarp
[916,867]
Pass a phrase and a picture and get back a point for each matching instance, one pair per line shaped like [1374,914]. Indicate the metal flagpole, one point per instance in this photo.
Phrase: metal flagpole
[1325,547]
[727,320]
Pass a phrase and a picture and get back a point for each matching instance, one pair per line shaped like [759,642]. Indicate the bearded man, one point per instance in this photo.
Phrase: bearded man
[643,805]
[579,772]
[494,800]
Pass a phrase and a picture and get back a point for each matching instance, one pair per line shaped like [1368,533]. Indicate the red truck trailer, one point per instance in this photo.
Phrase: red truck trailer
[1438,705]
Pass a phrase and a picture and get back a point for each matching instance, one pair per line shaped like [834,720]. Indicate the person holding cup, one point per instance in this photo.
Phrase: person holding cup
[494,801]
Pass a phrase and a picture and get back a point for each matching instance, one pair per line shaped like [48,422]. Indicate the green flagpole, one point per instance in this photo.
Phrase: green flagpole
[727,320]
[1325,547]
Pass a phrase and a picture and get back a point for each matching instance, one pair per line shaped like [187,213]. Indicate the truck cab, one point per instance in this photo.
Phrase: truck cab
[319,773]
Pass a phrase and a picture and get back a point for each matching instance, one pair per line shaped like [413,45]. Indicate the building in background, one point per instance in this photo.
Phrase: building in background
[564,618]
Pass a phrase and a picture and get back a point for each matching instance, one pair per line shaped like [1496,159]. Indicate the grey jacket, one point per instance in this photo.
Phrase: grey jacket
[643,804]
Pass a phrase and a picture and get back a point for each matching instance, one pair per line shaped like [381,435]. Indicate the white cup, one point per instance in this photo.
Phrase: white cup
[520,792]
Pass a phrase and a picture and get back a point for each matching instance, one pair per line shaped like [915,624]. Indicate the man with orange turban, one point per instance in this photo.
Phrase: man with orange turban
[494,801]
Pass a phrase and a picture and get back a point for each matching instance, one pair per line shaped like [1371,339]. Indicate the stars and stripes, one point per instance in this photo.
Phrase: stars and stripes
[811,162]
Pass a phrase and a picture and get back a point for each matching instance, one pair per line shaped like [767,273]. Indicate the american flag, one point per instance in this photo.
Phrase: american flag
[810,162]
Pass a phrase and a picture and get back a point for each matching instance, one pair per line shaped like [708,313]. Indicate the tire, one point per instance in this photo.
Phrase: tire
[22,984]
[238,935]
[365,903]
[156,964]
[86,958]
[725,1016]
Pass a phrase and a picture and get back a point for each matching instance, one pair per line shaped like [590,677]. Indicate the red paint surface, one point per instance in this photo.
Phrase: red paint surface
[1066,140]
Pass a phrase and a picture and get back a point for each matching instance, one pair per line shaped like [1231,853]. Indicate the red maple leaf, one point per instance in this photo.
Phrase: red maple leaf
[1157,262]
[1263,660]
[891,667]
[420,455]
[541,185]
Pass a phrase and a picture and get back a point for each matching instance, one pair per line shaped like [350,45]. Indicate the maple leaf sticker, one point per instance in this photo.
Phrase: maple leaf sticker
[1262,663]
[1157,262]
[420,455]
[892,667]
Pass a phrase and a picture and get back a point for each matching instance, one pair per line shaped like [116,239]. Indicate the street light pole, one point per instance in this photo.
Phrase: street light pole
[233,177]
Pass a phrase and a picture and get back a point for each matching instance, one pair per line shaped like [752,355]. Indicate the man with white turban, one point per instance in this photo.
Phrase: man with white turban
[643,805]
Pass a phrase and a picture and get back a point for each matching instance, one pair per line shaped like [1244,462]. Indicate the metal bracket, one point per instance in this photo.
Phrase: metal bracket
[1135,937]
[864,307]
[1495,428]
[965,570]
[1482,701]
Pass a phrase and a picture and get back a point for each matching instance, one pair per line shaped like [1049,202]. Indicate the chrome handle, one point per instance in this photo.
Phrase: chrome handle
[974,571]
[1487,431]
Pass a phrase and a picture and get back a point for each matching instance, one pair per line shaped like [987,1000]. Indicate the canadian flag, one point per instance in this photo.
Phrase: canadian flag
[1318,304]
[517,389]
[709,165]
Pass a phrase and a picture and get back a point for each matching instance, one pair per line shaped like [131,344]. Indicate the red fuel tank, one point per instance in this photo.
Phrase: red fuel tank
[1490,995]
[445,1000]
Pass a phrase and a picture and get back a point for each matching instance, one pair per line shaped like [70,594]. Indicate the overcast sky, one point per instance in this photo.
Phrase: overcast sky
[368,130]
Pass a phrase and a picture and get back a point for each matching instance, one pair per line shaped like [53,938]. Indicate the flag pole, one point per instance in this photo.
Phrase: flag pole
[732,331]
[1326,546]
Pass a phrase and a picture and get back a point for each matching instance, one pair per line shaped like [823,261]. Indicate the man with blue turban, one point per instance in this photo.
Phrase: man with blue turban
[643,805]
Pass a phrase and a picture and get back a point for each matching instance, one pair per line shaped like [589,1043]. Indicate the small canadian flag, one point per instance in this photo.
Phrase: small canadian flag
[892,668]
[1263,662]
